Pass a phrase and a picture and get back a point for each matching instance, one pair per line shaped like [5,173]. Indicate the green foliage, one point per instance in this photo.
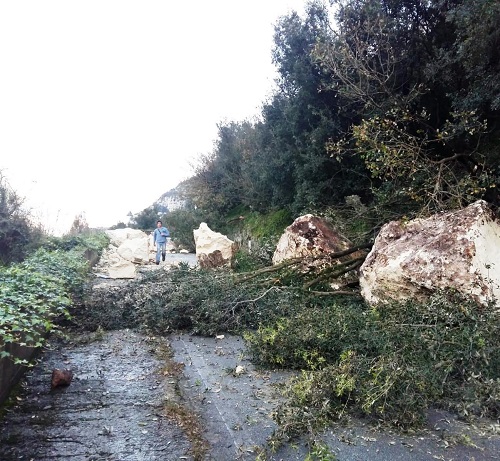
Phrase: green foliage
[68,267]
[282,161]
[246,261]
[203,302]
[320,452]
[474,54]
[392,364]
[271,224]
[29,302]
[217,184]
[96,241]
[397,103]
[146,219]
[398,63]
[358,222]
[389,363]
[309,337]
[39,291]
[182,222]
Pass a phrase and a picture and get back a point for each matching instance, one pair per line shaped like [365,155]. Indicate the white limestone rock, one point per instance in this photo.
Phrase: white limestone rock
[127,248]
[122,269]
[213,249]
[135,250]
[459,250]
[309,235]
[315,239]
[118,236]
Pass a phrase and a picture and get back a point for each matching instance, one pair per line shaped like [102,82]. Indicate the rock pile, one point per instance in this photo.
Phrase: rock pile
[127,249]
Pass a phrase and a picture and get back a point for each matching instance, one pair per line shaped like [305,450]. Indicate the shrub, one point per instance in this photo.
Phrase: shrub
[403,358]
[37,292]
[29,302]
[18,234]
[201,301]
[311,337]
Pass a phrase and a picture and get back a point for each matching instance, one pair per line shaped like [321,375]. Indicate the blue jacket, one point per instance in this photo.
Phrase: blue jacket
[160,235]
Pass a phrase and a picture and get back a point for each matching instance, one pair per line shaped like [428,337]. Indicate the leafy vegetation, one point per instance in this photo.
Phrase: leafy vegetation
[368,103]
[389,364]
[28,304]
[41,289]
[202,301]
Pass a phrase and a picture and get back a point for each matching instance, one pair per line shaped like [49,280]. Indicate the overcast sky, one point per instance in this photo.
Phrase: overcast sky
[105,104]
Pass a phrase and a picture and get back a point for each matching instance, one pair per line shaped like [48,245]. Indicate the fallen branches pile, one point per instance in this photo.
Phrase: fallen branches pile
[315,270]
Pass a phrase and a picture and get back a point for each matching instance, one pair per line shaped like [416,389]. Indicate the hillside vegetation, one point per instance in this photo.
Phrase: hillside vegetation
[396,102]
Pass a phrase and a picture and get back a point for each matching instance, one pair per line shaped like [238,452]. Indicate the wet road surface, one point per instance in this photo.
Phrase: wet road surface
[113,409]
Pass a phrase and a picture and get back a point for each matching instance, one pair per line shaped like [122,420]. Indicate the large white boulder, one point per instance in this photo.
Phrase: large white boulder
[135,250]
[121,269]
[459,250]
[309,235]
[315,239]
[118,236]
[213,249]
[127,249]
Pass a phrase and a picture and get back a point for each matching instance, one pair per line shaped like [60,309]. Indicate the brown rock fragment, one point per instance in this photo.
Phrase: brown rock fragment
[61,378]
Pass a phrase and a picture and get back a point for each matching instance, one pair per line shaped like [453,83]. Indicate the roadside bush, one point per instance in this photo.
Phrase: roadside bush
[29,303]
[95,241]
[68,268]
[35,294]
[404,358]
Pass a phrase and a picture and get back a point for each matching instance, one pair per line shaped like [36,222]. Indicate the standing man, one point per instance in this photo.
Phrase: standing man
[160,236]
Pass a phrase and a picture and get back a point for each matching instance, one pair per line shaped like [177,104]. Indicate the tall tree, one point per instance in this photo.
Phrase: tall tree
[305,113]
[384,54]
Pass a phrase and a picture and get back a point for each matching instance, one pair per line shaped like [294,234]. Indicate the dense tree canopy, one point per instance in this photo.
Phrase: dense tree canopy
[396,101]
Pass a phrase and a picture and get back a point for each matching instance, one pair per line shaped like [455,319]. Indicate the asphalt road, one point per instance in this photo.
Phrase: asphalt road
[236,409]
[114,409]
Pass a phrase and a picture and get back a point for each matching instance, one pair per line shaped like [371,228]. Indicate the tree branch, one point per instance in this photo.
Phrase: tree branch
[243,277]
